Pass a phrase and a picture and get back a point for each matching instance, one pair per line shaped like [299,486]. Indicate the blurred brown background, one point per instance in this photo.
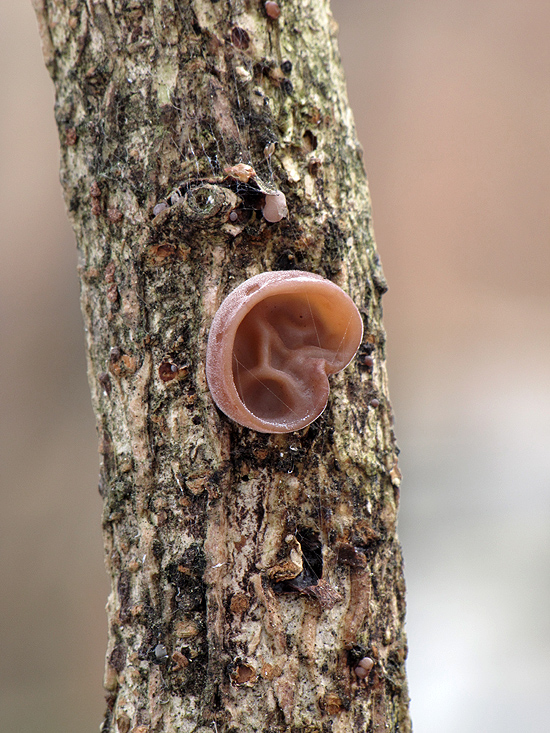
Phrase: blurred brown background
[452,103]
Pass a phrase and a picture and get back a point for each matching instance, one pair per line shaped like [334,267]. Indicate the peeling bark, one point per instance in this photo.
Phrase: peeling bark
[249,572]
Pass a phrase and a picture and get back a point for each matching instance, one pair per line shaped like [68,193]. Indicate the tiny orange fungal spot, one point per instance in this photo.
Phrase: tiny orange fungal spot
[240,172]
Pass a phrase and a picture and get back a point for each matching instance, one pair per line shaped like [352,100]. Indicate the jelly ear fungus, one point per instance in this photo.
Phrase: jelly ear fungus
[272,344]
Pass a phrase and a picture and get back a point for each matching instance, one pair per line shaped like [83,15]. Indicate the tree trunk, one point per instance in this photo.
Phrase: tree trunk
[250,572]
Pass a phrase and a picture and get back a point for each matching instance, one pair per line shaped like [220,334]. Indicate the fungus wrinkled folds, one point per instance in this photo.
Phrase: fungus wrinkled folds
[272,344]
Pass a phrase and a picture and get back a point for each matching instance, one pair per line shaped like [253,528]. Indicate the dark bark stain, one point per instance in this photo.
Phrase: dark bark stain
[117,658]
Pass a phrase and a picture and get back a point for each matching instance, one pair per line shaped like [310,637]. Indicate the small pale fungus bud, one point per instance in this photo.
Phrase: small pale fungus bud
[272,10]
[161,653]
[159,207]
[363,668]
[275,207]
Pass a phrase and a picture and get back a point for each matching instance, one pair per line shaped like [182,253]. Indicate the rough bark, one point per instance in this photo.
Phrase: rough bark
[249,572]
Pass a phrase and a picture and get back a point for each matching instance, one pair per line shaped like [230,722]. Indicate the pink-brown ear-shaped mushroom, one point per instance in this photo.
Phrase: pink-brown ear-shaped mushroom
[272,344]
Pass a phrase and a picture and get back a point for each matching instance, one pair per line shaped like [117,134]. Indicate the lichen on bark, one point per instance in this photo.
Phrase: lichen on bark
[249,572]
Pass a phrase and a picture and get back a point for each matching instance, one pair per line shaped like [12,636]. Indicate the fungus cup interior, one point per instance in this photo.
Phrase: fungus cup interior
[273,342]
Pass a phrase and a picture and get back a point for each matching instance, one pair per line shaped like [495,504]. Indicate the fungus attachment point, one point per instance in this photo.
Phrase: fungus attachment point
[273,342]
